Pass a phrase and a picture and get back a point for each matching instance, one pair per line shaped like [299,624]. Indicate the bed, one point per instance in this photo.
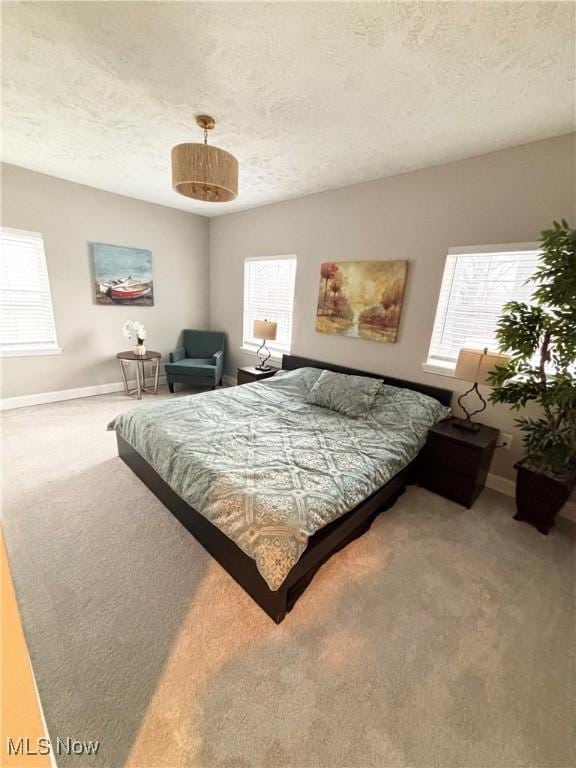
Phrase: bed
[270,485]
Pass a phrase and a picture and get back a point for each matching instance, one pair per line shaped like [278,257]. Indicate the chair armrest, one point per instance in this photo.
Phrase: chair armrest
[217,359]
[178,354]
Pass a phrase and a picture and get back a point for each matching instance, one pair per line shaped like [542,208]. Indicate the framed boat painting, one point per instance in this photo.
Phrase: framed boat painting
[362,299]
[122,275]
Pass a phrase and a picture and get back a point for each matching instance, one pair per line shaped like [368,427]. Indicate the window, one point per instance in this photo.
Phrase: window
[477,283]
[26,317]
[269,295]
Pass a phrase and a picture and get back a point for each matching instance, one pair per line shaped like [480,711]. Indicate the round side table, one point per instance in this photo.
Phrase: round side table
[130,357]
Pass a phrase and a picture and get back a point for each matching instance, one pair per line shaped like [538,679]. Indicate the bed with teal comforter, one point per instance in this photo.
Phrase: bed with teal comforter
[268,469]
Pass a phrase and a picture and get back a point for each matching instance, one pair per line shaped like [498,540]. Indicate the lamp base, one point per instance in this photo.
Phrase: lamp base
[263,356]
[466,425]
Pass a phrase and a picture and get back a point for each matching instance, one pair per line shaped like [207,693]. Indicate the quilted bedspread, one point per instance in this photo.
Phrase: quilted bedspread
[270,470]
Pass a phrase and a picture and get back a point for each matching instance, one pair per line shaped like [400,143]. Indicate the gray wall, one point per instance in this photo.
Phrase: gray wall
[69,216]
[504,197]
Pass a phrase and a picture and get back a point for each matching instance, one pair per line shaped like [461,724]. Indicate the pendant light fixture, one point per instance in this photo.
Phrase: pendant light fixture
[202,171]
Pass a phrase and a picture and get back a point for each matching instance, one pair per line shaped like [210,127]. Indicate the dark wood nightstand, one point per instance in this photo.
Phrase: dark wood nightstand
[454,463]
[250,373]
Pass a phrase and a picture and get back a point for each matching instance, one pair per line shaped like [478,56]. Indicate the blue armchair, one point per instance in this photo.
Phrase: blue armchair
[199,362]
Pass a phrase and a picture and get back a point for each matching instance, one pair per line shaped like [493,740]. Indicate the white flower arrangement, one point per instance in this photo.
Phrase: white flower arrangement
[134,328]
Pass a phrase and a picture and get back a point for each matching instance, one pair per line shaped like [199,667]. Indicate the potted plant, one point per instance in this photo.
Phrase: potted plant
[541,339]
[135,328]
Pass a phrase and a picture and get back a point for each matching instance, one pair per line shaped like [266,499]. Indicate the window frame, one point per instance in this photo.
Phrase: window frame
[247,346]
[41,349]
[436,365]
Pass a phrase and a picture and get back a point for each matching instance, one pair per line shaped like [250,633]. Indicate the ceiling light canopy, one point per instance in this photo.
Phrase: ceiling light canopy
[202,171]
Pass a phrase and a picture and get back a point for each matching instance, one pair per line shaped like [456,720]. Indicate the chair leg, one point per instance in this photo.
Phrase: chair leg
[171,386]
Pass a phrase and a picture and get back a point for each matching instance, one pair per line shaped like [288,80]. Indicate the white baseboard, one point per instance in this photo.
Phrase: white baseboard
[230,381]
[508,488]
[41,398]
[501,484]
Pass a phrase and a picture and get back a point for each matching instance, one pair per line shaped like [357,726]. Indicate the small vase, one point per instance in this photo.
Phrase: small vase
[140,350]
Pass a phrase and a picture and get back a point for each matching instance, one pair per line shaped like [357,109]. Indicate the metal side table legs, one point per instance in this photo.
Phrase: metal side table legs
[140,376]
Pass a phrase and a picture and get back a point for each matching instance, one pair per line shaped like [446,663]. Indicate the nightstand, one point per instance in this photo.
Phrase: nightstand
[249,373]
[455,463]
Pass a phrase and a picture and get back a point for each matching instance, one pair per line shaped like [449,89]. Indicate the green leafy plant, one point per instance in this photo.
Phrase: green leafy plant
[541,339]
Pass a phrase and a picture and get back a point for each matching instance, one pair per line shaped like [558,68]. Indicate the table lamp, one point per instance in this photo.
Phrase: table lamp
[265,330]
[474,365]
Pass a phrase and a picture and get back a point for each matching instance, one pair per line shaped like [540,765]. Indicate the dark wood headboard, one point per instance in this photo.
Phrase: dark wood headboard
[290,362]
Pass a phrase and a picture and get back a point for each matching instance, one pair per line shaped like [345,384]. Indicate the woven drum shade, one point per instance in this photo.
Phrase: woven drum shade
[204,172]
[264,329]
[475,364]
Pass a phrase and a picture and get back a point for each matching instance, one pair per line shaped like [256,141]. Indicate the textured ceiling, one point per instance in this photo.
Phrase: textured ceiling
[308,96]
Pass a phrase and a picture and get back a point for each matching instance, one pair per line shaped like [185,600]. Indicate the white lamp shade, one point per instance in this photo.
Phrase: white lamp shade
[475,364]
[265,329]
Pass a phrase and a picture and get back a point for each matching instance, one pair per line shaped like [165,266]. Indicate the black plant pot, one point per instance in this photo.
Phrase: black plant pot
[539,497]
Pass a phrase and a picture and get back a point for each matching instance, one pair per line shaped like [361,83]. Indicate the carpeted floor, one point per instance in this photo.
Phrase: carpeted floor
[443,637]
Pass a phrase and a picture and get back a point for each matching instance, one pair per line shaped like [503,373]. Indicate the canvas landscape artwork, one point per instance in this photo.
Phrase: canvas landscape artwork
[122,275]
[362,299]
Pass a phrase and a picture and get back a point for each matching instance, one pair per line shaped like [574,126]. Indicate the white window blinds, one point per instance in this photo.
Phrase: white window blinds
[477,283]
[269,295]
[26,317]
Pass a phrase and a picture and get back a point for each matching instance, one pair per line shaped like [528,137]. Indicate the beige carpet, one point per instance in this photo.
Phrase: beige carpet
[443,637]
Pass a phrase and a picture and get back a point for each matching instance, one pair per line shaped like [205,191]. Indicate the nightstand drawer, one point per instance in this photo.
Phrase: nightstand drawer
[244,378]
[455,462]
[248,374]
[452,485]
[463,459]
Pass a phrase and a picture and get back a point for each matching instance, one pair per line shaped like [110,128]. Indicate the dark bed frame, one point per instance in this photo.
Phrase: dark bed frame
[321,546]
